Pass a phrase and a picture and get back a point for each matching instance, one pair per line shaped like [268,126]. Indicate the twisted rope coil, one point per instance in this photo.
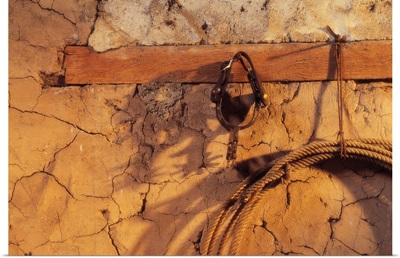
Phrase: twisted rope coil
[253,189]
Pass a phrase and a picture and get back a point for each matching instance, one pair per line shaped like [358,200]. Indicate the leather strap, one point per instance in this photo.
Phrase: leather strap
[220,89]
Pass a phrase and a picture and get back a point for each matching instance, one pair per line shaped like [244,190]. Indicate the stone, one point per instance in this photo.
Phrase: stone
[123,23]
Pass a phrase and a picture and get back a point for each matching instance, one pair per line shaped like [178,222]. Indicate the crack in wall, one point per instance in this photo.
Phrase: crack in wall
[352,249]
[332,220]
[49,167]
[98,13]
[51,9]
[312,249]
[144,201]
[18,208]
[196,243]
[19,248]
[277,243]
[30,44]
[283,119]
[112,240]
[32,175]
[290,183]
[64,121]
[71,238]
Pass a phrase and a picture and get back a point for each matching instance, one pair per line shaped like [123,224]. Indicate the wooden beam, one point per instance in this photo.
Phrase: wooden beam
[201,64]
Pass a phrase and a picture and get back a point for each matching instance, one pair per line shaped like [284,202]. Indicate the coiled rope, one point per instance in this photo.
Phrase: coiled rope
[239,208]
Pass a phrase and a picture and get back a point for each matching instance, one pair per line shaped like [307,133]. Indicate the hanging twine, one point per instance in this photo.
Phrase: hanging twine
[339,39]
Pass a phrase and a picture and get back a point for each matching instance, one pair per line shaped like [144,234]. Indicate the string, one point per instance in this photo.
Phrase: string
[339,82]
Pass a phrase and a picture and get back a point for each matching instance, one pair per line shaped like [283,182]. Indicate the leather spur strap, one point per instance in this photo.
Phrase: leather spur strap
[220,90]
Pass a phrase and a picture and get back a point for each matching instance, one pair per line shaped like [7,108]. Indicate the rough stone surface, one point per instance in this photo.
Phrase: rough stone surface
[123,23]
[141,169]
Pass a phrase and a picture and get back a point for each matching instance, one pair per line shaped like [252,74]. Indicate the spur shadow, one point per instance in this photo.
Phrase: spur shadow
[208,192]
[177,220]
[192,206]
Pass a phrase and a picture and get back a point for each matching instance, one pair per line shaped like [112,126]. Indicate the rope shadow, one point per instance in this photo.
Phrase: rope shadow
[339,168]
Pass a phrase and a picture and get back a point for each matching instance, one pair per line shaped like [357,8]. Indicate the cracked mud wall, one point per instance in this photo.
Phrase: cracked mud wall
[140,169]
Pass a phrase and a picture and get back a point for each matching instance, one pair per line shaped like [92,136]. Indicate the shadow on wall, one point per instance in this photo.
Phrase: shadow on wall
[181,165]
[151,173]
[339,207]
[181,162]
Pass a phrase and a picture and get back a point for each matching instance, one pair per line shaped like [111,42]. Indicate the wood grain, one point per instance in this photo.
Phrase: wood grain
[201,64]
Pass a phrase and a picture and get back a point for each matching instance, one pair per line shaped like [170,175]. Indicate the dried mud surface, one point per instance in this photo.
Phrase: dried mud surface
[141,169]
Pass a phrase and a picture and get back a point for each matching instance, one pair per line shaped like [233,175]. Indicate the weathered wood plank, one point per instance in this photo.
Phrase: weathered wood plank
[196,64]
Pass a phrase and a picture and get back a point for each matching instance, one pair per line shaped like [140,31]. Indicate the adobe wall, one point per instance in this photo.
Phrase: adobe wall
[140,168]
